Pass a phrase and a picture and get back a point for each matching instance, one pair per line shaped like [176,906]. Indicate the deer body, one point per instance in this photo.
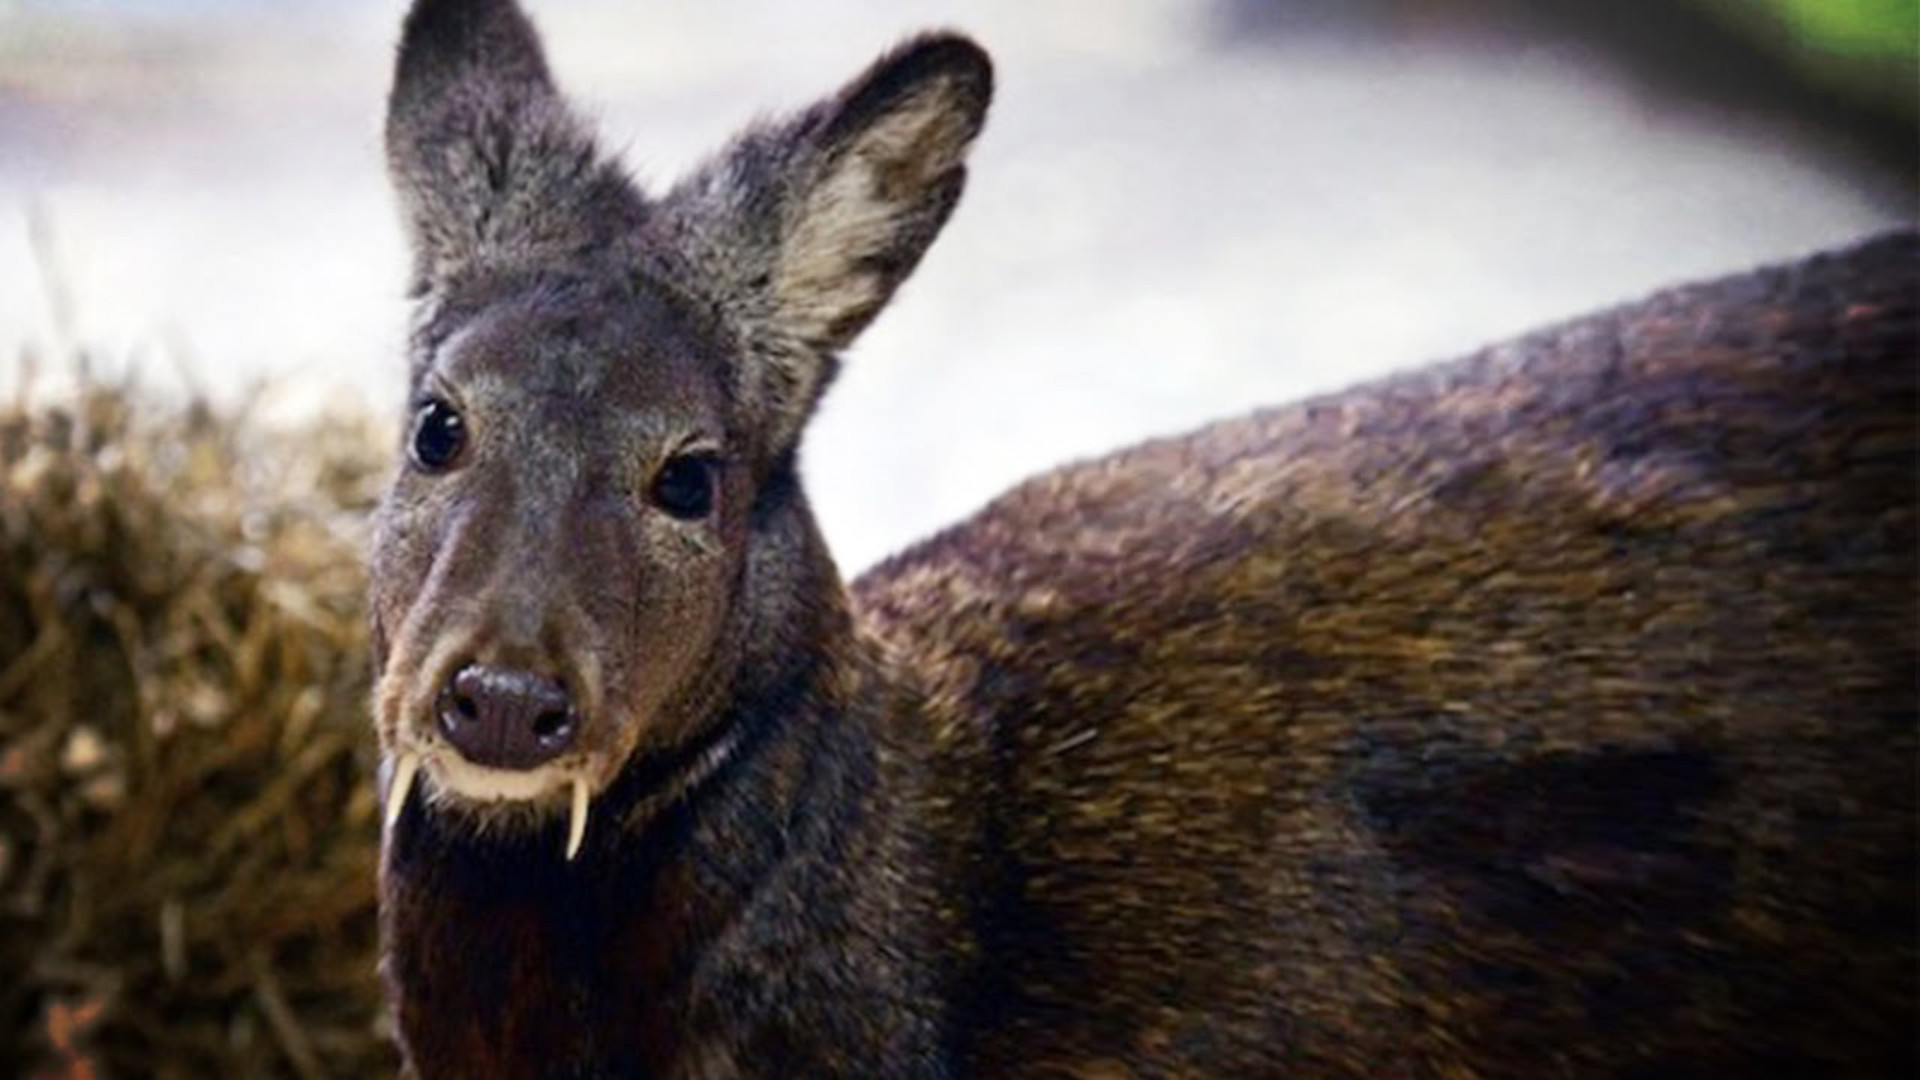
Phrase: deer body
[1548,713]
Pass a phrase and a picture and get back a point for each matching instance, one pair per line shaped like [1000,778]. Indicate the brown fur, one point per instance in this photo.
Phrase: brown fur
[1549,713]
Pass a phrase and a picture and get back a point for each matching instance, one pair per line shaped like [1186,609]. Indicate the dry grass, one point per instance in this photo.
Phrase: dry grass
[188,833]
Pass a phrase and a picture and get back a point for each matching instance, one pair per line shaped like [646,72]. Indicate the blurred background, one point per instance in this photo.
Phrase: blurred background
[1180,209]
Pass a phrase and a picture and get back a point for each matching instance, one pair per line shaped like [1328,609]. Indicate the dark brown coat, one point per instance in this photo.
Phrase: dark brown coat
[1550,713]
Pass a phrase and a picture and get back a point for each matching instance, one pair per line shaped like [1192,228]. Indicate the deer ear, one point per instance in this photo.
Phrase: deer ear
[490,165]
[803,229]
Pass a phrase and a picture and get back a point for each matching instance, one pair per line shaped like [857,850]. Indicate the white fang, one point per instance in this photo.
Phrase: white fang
[405,768]
[577,821]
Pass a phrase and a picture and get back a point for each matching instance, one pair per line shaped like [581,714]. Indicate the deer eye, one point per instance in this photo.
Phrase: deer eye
[684,486]
[439,434]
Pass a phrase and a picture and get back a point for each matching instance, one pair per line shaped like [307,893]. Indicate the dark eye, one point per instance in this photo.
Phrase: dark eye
[438,435]
[684,486]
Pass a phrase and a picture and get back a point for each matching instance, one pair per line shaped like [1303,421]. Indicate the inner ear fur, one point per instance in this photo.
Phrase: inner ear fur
[802,229]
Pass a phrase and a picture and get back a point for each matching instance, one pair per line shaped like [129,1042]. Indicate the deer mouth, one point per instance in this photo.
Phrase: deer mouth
[450,778]
[440,718]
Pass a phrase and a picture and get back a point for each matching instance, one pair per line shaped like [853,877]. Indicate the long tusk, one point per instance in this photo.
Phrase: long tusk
[577,823]
[404,771]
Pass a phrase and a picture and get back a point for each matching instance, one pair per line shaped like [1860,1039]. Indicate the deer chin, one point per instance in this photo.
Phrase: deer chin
[488,795]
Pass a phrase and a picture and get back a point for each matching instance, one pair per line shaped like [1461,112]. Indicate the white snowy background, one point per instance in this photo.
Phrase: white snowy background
[1177,212]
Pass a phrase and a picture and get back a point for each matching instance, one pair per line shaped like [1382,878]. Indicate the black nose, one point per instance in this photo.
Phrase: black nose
[506,719]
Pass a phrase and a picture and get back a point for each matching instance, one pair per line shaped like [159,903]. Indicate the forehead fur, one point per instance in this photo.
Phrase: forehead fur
[574,329]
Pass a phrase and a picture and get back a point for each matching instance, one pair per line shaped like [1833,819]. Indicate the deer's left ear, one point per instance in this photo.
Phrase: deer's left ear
[802,230]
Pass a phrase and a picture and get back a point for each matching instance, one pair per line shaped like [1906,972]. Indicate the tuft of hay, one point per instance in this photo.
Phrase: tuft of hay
[188,834]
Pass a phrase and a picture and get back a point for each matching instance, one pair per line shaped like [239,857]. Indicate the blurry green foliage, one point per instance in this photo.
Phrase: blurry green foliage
[1868,50]
[1855,28]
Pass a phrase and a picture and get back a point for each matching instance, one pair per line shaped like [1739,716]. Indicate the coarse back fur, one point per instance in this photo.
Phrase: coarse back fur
[1548,713]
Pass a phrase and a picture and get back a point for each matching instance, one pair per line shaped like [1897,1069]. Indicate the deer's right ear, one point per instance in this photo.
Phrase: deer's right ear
[490,165]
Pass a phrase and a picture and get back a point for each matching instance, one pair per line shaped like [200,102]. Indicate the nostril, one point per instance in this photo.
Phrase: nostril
[457,714]
[552,725]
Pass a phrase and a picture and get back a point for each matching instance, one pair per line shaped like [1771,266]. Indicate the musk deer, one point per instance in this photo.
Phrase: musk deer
[1549,713]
